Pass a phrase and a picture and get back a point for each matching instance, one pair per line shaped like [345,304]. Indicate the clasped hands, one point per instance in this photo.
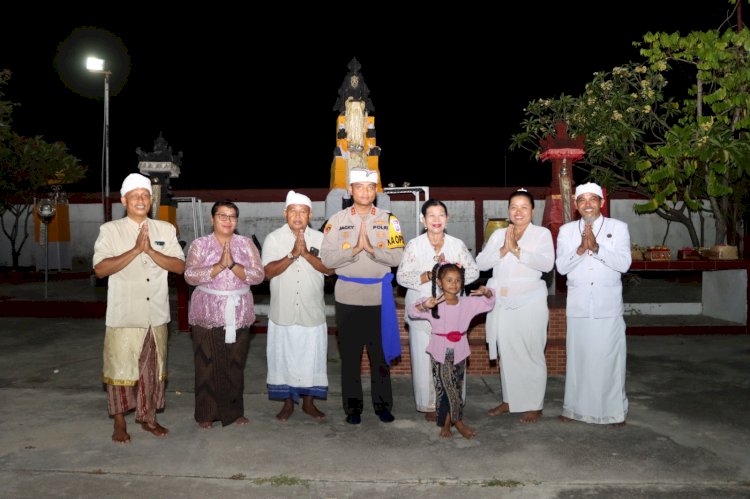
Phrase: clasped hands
[226,260]
[511,243]
[142,242]
[426,276]
[300,247]
[363,242]
[588,241]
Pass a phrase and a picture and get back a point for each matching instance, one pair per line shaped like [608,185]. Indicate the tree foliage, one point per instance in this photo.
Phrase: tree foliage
[28,166]
[677,154]
[709,148]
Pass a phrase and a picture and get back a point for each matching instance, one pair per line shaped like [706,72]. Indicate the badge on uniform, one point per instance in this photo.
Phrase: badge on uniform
[346,246]
[395,239]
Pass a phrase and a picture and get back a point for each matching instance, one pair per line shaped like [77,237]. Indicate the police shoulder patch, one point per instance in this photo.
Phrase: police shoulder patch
[395,238]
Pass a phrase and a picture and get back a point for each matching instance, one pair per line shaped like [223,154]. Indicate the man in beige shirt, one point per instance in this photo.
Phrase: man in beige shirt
[297,346]
[363,243]
[136,253]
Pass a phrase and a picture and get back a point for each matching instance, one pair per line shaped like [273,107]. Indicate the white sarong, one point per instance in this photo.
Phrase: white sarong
[520,340]
[297,355]
[595,374]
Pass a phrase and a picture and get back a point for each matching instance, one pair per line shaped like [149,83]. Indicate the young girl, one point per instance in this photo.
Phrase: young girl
[448,345]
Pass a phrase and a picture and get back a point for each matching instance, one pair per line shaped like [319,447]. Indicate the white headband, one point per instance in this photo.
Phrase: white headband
[357,175]
[589,188]
[296,198]
[135,181]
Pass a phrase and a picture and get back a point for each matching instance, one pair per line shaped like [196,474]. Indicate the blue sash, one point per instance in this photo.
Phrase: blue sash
[389,335]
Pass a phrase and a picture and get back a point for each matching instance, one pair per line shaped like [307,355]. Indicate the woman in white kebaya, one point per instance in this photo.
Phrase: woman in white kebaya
[415,273]
[517,326]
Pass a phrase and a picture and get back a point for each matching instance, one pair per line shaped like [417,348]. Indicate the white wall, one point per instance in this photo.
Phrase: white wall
[262,218]
[649,230]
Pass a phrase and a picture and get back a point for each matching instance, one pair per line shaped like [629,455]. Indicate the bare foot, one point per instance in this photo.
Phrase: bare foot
[563,419]
[617,425]
[120,434]
[465,431]
[445,431]
[205,425]
[155,429]
[308,407]
[242,420]
[286,410]
[531,416]
[430,416]
[501,409]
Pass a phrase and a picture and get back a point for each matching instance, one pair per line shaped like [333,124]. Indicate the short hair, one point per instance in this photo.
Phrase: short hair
[224,202]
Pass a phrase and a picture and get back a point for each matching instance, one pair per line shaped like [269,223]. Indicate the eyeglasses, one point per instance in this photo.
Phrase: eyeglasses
[226,218]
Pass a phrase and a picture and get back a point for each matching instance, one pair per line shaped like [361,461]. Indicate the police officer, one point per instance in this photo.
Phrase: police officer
[362,243]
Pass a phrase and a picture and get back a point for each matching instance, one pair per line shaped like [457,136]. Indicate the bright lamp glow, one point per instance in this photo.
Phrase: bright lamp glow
[94,64]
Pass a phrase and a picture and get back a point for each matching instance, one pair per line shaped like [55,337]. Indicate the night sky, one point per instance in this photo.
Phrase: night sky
[248,113]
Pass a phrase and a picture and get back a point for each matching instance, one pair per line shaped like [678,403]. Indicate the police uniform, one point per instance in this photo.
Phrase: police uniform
[358,305]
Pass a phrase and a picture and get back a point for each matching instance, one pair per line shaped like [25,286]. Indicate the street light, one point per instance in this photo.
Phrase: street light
[96,65]
[46,210]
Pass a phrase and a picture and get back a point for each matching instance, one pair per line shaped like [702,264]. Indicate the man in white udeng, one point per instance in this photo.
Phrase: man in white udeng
[594,252]
[136,253]
[297,348]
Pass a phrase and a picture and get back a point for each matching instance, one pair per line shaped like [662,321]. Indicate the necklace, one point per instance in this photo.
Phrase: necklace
[595,235]
[597,232]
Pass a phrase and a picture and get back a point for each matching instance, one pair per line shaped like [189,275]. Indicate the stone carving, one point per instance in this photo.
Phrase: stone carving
[353,89]
[162,153]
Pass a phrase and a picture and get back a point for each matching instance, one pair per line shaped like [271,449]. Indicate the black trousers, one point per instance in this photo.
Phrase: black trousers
[359,326]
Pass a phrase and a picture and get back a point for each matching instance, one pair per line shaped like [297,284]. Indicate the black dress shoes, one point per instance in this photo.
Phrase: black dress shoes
[355,418]
[385,415]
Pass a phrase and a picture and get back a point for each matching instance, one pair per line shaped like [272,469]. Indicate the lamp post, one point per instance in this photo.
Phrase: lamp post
[46,210]
[96,65]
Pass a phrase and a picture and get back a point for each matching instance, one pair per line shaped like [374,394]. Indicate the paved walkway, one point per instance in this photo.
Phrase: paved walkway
[687,433]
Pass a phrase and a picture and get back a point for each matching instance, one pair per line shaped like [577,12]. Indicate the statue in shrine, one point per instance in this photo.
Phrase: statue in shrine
[355,133]
[162,153]
[353,88]
[355,140]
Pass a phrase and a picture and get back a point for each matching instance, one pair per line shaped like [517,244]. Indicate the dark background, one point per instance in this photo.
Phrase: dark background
[247,112]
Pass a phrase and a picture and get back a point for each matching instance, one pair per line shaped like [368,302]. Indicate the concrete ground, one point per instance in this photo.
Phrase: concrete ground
[687,433]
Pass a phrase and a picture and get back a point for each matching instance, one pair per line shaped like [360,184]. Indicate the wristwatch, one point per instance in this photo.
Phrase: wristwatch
[290,256]
[230,267]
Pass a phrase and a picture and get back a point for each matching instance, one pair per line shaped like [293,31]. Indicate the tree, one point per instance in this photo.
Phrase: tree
[623,113]
[28,166]
[710,146]
[676,155]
